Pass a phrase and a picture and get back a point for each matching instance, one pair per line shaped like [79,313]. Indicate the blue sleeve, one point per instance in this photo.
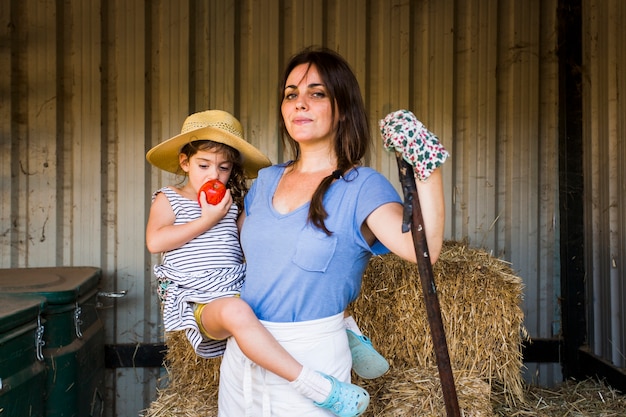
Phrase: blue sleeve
[249,197]
[379,249]
[262,185]
[369,201]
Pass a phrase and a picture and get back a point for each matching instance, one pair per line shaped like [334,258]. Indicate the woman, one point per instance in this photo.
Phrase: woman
[202,266]
[311,226]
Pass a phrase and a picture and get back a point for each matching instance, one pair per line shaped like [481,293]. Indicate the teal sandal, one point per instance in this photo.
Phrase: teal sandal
[345,399]
[366,361]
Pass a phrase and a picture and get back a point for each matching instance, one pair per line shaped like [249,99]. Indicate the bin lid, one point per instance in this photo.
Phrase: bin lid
[59,285]
[18,309]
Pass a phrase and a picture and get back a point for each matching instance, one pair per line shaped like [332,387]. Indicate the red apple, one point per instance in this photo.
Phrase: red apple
[214,190]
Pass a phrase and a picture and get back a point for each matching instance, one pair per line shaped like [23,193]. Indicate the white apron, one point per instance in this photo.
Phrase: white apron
[247,390]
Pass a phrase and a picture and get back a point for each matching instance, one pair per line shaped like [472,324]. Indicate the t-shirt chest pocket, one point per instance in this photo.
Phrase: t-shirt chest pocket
[314,250]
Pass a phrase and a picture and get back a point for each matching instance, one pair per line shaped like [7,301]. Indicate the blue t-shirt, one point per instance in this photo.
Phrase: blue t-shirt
[295,272]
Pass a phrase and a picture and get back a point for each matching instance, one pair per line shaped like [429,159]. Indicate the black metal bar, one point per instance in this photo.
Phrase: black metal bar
[573,303]
[151,355]
[542,351]
[594,366]
[429,289]
[144,355]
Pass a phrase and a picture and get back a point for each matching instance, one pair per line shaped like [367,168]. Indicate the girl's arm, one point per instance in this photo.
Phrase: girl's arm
[240,220]
[385,223]
[161,233]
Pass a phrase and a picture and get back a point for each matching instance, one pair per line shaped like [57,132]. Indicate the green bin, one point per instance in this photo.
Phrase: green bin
[73,335]
[22,368]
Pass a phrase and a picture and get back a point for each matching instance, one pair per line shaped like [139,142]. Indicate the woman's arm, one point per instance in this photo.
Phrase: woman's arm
[385,223]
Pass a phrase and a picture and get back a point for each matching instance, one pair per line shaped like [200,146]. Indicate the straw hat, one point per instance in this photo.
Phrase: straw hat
[216,125]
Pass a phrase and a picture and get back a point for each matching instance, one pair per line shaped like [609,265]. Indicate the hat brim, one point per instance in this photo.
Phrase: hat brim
[165,155]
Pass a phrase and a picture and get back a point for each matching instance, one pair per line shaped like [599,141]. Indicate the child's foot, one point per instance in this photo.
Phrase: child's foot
[366,361]
[345,400]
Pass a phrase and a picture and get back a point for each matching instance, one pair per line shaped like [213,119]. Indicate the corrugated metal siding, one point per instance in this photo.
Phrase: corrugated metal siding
[88,87]
[604,151]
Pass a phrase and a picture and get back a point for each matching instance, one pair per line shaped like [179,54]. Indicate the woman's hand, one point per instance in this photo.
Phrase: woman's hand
[403,133]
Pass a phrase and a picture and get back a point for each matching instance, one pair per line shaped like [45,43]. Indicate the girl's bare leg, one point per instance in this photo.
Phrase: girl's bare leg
[231,316]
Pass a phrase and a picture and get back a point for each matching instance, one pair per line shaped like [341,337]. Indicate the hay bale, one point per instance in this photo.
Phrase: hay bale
[191,385]
[417,392]
[480,302]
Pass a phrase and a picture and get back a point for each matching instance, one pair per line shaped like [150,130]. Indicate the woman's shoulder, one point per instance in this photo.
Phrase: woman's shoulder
[366,180]
[272,171]
[363,174]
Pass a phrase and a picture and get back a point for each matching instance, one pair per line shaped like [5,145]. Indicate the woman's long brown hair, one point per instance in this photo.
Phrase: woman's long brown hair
[352,136]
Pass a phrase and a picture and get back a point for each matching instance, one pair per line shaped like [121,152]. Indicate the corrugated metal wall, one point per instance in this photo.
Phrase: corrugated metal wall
[88,87]
[604,150]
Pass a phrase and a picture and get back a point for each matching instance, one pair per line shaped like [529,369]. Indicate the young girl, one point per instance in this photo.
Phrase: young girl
[202,268]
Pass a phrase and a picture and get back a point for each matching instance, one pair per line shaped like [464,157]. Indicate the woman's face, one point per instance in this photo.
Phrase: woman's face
[306,107]
[206,165]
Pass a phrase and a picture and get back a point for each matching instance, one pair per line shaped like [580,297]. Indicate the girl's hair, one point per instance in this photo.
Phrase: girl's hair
[352,139]
[237,181]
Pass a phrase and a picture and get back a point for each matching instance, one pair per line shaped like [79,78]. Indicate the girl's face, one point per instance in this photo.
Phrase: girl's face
[306,107]
[206,165]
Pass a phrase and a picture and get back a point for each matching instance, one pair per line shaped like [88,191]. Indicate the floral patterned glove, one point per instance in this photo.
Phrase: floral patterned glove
[402,132]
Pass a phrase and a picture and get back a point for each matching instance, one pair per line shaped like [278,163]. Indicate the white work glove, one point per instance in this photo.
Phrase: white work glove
[402,132]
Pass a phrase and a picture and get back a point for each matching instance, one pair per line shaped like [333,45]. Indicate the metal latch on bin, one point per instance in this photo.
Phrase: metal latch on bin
[77,321]
[110,294]
[39,342]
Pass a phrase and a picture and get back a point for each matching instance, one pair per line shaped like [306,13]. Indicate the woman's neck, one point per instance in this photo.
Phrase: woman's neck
[315,160]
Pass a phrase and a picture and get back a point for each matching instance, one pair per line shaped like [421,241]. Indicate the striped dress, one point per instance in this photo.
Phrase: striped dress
[206,268]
